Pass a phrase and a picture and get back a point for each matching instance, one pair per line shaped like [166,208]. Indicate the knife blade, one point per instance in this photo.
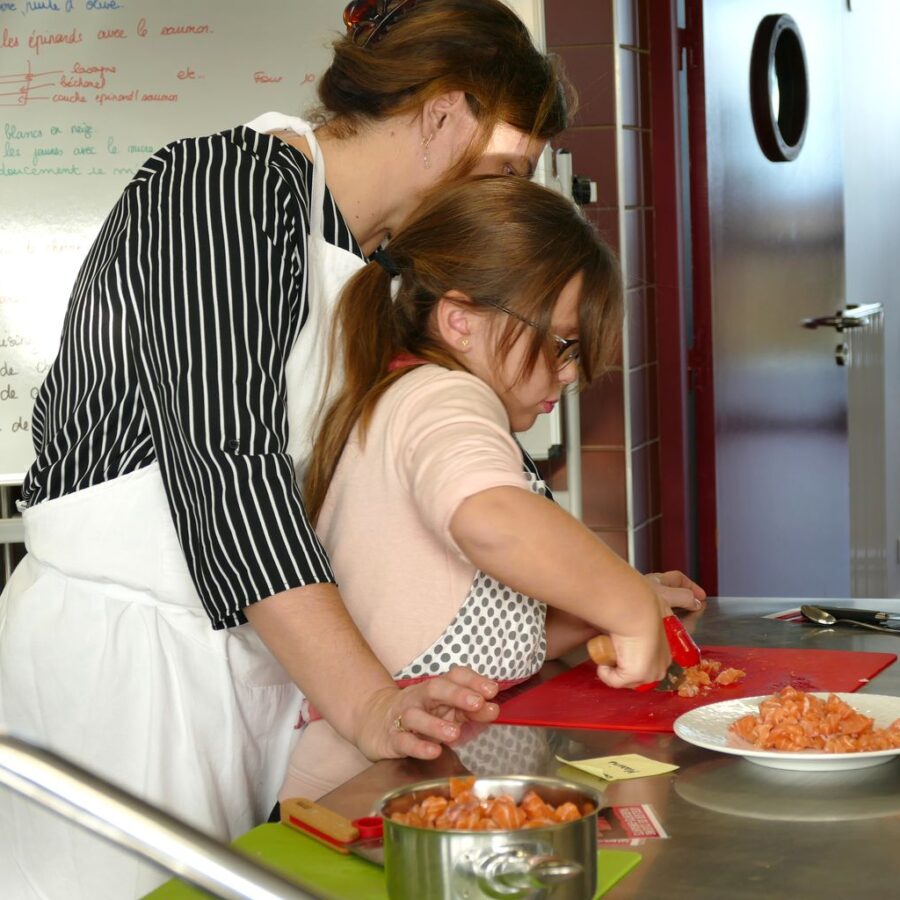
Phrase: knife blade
[872,616]
[685,653]
[363,837]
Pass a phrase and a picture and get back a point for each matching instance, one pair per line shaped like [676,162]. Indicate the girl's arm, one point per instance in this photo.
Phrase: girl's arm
[565,632]
[537,548]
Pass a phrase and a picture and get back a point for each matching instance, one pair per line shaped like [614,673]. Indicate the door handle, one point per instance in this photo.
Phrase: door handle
[851,317]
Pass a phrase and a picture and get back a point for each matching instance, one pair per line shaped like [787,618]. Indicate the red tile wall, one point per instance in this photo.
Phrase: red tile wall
[618,426]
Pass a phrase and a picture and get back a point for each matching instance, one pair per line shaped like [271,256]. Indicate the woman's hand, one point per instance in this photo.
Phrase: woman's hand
[676,590]
[428,715]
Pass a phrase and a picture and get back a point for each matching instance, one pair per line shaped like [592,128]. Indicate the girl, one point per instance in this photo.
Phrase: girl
[492,300]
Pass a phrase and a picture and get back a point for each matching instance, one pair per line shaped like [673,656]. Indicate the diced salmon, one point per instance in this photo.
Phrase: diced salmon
[793,720]
[708,673]
[566,812]
[459,785]
[465,812]
[730,676]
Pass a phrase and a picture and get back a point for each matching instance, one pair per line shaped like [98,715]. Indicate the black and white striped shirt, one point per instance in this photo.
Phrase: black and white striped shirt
[173,350]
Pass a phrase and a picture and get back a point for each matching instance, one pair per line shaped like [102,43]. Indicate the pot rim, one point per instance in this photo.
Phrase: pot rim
[529,781]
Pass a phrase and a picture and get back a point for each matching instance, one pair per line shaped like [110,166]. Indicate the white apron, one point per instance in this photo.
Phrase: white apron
[107,656]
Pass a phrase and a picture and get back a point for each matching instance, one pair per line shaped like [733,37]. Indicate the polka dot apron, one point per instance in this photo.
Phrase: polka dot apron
[498,632]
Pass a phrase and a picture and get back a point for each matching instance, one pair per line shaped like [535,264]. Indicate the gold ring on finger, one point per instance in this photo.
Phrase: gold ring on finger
[398,723]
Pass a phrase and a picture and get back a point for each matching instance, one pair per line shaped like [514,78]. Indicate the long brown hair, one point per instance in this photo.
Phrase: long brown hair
[479,47]
[495,240]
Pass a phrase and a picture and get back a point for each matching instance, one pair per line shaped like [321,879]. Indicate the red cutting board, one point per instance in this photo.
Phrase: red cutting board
[578,699]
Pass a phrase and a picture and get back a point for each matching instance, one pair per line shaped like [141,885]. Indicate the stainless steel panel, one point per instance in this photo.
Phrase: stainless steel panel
[870,79]
[776,234]
[868,517]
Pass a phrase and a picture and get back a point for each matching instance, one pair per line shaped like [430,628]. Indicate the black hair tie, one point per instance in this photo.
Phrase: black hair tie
[386,261]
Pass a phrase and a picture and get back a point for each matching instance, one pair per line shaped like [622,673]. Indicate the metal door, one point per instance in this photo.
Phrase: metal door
[776,259]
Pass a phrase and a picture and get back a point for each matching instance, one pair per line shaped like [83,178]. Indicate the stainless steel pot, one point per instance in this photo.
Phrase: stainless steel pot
[554,863]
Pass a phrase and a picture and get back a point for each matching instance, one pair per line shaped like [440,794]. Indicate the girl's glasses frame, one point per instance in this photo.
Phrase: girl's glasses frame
[568,350]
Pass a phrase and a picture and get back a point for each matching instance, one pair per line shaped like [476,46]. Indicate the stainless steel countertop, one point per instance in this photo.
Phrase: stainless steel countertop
[735,829]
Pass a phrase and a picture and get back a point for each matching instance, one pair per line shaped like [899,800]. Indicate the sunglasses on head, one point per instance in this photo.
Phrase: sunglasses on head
[367,21]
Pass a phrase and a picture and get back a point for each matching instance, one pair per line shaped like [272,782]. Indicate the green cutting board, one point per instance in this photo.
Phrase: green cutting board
[349,877]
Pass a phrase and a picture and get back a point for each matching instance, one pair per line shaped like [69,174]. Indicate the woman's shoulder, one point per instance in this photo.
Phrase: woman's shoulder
[230,149]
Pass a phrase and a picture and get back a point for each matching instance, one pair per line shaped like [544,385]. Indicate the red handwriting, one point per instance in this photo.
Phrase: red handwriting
[170,30]
[109,34]
[38,41]
[75,97]
[188,74]
[128,97]
[8,41]
[261,77]
[87,77]
[79,69]
[24,85]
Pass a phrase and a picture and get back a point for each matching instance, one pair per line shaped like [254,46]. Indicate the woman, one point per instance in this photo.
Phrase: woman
[175,596]
[493,299]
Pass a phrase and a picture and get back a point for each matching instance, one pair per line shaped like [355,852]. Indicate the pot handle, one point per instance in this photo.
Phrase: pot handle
[512,874]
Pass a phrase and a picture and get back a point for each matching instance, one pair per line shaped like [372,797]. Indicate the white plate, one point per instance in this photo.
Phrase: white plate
[707,726]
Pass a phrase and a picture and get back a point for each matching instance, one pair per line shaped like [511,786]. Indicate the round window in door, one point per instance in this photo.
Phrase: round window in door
[779,90]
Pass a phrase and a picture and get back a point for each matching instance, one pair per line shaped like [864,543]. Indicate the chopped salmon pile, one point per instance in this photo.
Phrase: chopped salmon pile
[702,678]
[796,720]
[463,811]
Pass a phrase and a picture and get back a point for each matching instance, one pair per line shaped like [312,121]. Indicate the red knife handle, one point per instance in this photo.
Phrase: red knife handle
[681,645]
[684,651]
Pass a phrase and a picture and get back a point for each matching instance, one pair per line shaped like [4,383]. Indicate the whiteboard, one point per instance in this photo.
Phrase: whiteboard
[88,90]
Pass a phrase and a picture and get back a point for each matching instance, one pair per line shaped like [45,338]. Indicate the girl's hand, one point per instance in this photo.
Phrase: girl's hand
[676,590]
[415,721]
[628,662]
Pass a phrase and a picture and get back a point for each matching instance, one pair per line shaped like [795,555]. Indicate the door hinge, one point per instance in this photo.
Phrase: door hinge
[687,48]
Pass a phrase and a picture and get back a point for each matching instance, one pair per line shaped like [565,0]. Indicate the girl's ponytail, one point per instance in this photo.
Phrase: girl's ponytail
[363,335]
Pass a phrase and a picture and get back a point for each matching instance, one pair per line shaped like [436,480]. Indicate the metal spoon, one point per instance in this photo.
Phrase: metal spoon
[820,617]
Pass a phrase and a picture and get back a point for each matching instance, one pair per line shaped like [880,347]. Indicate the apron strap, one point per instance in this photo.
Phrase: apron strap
[276,121]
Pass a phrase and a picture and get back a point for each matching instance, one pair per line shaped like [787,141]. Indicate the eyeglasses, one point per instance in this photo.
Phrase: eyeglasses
[568,350]
[367,21]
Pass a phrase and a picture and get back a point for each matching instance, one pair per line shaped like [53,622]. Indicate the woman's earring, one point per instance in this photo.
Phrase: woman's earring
[425,143]
[464,343]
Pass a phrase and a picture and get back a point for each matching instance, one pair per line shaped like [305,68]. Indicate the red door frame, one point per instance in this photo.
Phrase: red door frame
[683,369]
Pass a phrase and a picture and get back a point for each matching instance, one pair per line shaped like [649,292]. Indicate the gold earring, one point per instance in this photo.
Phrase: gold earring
[425,143]
[464,342]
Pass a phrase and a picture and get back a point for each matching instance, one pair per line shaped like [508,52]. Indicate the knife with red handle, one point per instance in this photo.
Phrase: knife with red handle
[685,653]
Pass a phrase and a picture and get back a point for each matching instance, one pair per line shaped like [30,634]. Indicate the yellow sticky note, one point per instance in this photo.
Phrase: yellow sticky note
[618,768]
